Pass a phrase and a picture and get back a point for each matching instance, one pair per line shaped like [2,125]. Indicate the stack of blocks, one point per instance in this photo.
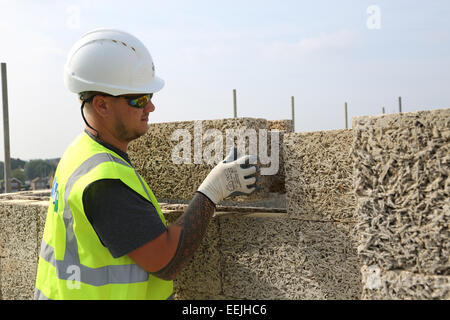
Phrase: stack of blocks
[175,158]
[310,253]
[320,204]
[224,266]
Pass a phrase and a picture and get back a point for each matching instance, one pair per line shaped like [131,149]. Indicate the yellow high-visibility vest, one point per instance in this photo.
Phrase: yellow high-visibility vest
[73,263]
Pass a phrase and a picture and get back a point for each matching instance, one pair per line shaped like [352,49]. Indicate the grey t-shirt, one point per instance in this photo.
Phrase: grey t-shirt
[121,217]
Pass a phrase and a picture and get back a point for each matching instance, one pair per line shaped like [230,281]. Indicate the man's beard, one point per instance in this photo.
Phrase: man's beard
[126,135]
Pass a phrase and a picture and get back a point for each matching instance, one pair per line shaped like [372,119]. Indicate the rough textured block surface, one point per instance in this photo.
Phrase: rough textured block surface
[201,278]
[20,238]
[277,183]
[403,285]
[319,175]
[280,258]
[172,157]
[285,125]
[193,295]
[402,169]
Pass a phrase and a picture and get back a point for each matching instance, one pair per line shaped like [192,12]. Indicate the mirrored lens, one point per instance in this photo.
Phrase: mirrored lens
[140,102]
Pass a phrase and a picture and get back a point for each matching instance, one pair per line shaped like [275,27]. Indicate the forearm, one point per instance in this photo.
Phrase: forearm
[193,224]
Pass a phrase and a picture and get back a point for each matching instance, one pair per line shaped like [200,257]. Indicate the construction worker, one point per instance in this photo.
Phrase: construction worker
[105,236]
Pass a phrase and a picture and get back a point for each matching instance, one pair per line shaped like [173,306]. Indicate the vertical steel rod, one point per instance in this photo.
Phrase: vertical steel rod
[6,130]
[234,103]
[293,113]
[346,116]
[400,104]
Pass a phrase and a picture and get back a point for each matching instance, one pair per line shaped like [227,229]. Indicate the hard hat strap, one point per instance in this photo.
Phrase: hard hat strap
[85,121]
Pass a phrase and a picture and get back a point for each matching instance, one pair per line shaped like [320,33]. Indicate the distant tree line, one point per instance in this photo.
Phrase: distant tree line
[28,170]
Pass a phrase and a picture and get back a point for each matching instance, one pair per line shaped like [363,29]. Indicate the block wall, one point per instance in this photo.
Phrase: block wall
[269,254]
[252,256]
[367,216]
[173,157]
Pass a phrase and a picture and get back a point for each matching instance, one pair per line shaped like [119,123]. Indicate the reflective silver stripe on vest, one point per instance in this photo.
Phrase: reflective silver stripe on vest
[38,295]
[130,273]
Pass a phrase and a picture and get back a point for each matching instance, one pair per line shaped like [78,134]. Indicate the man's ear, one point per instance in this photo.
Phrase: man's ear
[99,105]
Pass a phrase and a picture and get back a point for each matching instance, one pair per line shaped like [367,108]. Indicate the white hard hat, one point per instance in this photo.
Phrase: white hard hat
[110,61]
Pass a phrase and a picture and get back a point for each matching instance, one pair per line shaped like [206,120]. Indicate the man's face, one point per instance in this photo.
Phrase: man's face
[128,122]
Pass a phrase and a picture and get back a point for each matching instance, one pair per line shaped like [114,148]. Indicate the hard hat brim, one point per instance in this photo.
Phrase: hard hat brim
[78,85]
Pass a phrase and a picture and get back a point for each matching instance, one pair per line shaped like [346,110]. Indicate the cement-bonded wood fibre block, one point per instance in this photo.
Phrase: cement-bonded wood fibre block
[20,246]
[277,183]
[319,175]
[280,258]
[402,180]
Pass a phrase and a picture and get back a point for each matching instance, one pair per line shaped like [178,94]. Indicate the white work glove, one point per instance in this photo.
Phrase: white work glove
[233,176]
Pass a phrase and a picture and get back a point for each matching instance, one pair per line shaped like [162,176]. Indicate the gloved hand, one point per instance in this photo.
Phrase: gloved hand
[233,176]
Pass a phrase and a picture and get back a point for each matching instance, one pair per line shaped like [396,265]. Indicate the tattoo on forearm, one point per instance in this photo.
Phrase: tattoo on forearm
[194,223]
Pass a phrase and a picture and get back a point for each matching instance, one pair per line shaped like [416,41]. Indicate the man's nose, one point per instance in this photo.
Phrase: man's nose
[150,107]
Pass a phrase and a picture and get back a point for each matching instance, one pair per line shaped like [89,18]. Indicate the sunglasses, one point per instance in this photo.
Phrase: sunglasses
[135,101]
[139,101]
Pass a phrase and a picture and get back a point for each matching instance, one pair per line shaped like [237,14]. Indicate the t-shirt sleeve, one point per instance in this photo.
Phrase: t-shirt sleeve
[121,217]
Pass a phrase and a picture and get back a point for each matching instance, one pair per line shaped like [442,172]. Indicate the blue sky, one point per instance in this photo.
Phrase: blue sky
[321,52]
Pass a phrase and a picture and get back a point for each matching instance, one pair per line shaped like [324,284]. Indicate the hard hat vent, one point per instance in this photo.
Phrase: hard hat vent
[124,44]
